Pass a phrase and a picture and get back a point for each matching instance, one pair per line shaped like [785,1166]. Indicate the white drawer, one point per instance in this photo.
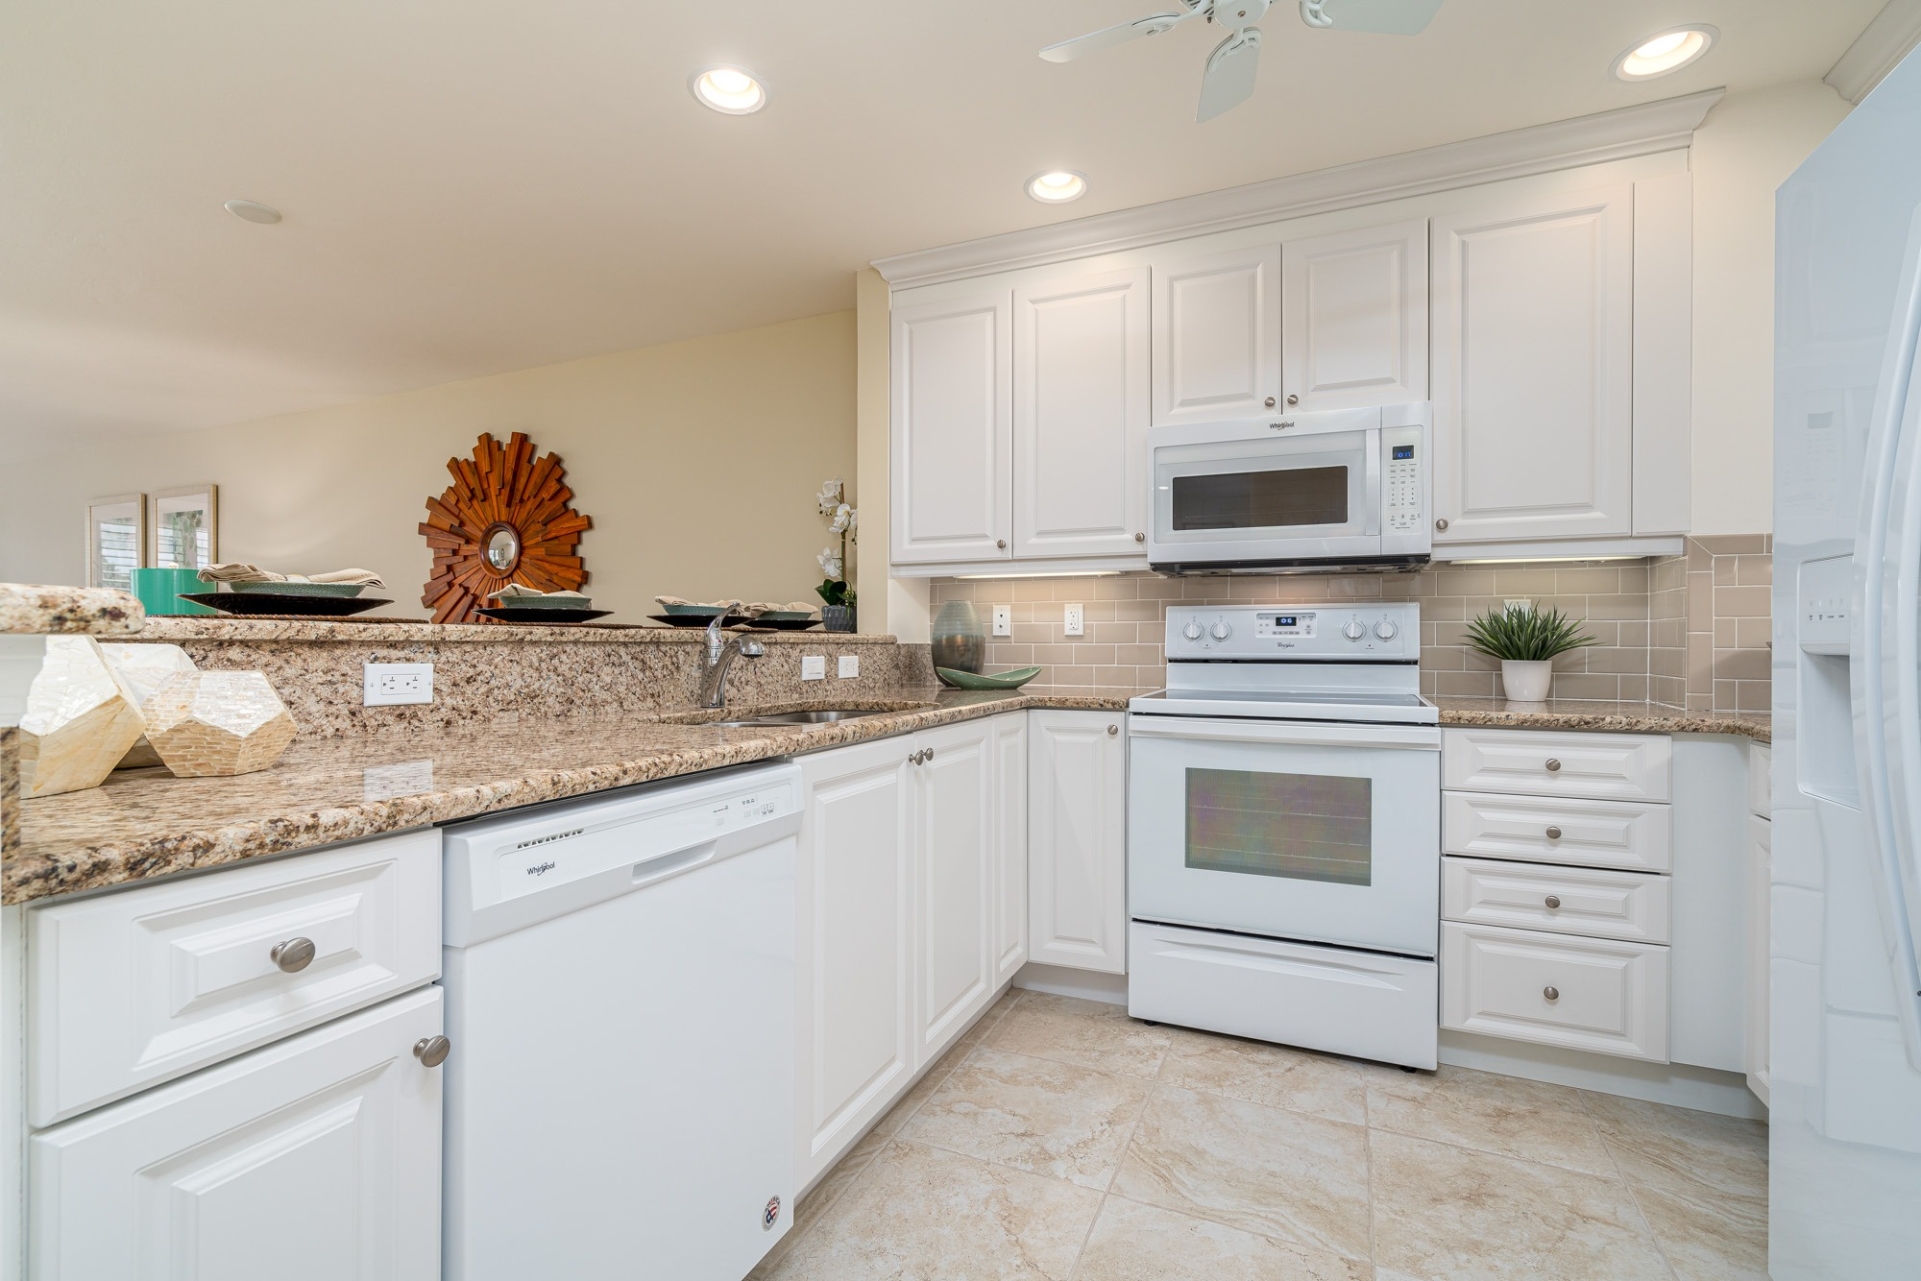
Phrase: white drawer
[1632,906]
[1617,767]
[133,988]
[1552,829]
[1759,801]
[1581,994]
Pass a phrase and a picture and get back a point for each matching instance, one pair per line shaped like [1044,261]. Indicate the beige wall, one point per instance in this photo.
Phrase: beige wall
[1746,148]
[698,462]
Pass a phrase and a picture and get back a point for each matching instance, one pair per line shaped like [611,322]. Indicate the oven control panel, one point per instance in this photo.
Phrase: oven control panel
[1378,631]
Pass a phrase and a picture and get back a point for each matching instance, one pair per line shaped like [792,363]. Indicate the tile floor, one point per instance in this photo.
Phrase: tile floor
[1061,1139]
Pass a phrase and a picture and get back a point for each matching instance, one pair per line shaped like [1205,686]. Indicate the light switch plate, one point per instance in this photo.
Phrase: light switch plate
[390,684]
[1074,620]
[1003,620]
[813,667]
[849,666]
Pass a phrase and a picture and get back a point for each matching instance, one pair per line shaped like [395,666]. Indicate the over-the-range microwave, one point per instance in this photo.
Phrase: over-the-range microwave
[1293,493]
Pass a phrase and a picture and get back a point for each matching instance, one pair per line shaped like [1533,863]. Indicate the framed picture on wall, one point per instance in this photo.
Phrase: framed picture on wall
[186,527]
[116,540]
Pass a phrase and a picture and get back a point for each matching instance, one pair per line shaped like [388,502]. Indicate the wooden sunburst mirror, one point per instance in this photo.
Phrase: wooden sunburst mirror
[505,519]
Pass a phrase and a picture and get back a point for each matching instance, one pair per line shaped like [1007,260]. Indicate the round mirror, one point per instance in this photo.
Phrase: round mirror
[502,548]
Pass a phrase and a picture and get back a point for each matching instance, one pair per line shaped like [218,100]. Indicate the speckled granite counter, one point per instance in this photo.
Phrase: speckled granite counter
[147,823]
[27,609]
[1613,718]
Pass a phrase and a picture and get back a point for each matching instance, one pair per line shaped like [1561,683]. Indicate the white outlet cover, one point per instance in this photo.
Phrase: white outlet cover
[396,684]
[849,666]
[813,667]
[1074,618]
[1003,620]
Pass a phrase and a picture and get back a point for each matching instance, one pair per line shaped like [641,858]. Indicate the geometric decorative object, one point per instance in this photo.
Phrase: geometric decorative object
[80,720]
[144,668]
[206,724]
[505,519]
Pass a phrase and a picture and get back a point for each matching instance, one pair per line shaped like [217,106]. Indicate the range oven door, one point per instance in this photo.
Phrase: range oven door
[1287,829]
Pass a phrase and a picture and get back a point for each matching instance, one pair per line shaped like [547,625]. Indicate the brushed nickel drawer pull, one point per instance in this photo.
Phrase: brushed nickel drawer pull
[1554,833]
[1113,729]
[1553,766]
[432,1051]
[1553,901]
[293,955]
[1551,993]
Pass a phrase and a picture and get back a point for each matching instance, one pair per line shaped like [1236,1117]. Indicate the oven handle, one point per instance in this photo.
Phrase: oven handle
[1287,733]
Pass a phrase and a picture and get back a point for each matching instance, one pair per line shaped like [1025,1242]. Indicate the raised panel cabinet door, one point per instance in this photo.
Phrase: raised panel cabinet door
[311,1159]
[1080,416]
[1354,318]
[1760,873]
[854,891]
[1533,368]
[1010,849]
[955,840]
[953,429]
[1217,335]
[1077,840]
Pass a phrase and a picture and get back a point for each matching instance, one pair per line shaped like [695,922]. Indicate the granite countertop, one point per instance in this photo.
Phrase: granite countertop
[1606,717]
[26,609]
[397,631]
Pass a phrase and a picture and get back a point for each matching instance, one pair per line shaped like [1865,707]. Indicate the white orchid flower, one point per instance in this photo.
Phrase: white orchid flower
[853,519]
[829,564]
[829,495]
[843,519]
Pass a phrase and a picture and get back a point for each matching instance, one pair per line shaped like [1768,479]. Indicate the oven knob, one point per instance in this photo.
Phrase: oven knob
[1354,629]
[1192,631]
[1220,631]
[1385,629]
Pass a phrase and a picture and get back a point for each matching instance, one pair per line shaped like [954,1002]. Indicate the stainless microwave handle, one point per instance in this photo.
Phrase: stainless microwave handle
[1286,733]
[1372,487]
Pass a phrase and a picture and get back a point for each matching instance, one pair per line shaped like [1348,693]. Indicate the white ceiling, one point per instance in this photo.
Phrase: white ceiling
[474,186]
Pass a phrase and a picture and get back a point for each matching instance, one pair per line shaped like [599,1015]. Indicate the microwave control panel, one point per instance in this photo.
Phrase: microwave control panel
[1404,490]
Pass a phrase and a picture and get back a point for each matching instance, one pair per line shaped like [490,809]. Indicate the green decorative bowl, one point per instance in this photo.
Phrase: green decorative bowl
[997,680]
[301,589]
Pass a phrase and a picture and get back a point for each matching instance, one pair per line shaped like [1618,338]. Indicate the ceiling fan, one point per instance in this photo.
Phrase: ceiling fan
[1229,78]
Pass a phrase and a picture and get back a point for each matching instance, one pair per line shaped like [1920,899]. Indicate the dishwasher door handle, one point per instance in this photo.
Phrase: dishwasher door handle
[673,862]
[1287,733]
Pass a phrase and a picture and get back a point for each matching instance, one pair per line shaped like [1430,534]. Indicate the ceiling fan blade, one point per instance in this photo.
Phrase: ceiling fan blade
[1382,17]
[1108,37]
[1229,79]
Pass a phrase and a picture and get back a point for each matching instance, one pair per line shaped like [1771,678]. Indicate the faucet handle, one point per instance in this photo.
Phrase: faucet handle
[713,630]
[751,648]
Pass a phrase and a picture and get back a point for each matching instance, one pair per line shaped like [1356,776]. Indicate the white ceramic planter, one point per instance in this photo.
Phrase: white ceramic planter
[1526,682]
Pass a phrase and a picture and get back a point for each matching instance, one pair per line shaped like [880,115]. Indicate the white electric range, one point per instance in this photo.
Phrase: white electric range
[1284,831]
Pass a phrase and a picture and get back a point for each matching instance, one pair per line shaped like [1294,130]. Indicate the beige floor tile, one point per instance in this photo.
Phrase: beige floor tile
[1448,1214]
[924,1089]
[1270,1074]
[1033,1114]
[991,1017]
[1134,1242]
[920,1214]
[1089,1034]
[1505,1114]
[813,1206]
[1284,1174]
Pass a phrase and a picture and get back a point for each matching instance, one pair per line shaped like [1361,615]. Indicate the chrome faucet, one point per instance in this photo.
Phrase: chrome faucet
[719,656]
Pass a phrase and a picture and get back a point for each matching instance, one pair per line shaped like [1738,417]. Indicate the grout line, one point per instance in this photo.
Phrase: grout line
[1147,1101]
[1628,1185]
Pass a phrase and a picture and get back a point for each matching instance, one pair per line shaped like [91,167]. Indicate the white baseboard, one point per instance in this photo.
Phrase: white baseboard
[1058,980]
[1676,1084]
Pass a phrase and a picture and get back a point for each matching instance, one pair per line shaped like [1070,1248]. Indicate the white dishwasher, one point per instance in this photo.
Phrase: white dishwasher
[620,993]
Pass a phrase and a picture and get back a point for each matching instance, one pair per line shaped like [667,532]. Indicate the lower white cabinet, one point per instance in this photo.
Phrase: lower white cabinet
[1077,842]
[1577,993]
[312,1159]
[1760,872]
[956,840]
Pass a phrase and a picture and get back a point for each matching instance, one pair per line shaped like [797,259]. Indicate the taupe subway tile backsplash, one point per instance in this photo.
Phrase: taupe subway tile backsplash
[1617,600]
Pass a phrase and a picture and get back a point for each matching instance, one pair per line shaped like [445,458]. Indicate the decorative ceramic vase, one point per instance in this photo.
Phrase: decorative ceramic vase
[217,724]
[162,590]
[837,618]
[1526,682]
[959,643]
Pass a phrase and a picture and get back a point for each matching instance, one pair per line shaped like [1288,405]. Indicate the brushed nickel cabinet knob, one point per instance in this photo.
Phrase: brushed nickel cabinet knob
[1553,766]
[1140,538]
[432,1051]
[1441,523]
[1553,901]
[1269,402]
[1293,400]
[1113,729]
[1001,543]
[1554,833]
[293,955]
[1551,993]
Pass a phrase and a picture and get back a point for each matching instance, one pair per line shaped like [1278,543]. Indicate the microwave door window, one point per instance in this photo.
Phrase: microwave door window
[1304,827]
[1281,498]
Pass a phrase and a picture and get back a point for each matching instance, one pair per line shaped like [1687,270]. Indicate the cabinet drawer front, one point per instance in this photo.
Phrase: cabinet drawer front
[1543,829]
[1581,994]
[138,987]
[1617,767]
[1632,906]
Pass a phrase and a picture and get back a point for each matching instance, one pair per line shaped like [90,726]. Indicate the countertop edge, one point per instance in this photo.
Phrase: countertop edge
[28,609]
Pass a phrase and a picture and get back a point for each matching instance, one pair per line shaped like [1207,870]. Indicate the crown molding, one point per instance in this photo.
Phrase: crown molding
[1882,43]
[1564,144]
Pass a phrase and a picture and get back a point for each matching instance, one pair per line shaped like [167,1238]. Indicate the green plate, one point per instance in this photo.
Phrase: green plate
[693,611]
[997,680]
[301,589]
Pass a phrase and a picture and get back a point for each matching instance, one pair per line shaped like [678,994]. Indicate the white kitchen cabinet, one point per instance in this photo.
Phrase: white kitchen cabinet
[1077,845]
[1216,334]
[952,440]
[855,943]
[1010,845]
[956,836]
[1080,415]
[1577,993]
[311,1159]
[1354,318]
[1760,871]
[1533,377]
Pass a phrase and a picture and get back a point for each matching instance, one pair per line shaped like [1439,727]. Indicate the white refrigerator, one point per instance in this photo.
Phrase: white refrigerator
[1845,910]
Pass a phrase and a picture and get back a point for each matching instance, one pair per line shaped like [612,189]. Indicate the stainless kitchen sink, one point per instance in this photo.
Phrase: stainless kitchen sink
[813,716]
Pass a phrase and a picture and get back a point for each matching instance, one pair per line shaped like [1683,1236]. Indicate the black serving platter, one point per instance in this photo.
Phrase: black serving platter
[696,620]
[783,624]
[534,614]
[285,606]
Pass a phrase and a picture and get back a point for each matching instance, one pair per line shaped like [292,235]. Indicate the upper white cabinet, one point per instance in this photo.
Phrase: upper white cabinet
[1217,334]
[1533,368]
[1080,415]
[1354,318]
[953,429]
[1077,860]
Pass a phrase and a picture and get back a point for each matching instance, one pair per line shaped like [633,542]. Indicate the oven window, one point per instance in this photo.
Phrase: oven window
[1309,827]
[1261,499]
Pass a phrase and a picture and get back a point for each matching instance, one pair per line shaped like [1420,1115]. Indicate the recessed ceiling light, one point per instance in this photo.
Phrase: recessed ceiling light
[1057,186]
[253,211]
[1667,52]
[731,90]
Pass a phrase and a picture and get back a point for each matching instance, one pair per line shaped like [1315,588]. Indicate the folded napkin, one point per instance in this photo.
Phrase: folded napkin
[241,572]
[516,591]
[676,600]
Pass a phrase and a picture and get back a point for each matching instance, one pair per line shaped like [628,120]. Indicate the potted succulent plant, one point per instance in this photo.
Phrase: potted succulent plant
[1526,640]
[837,597]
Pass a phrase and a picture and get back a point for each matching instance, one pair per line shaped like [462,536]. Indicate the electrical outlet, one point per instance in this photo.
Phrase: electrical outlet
[813,667]
[1003,620]
[1073,618]
[1518,603]
[849,666]
[387,684]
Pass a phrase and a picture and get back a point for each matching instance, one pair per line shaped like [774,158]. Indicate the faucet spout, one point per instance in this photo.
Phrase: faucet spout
[718,655]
